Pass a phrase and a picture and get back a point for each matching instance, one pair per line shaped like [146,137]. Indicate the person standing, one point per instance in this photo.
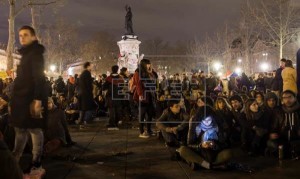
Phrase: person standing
[29,99]
[277,83]
[145,94]
[114,97]
[85,94]
[289,77]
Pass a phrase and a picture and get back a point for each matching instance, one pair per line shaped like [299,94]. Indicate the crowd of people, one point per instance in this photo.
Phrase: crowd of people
[201,117]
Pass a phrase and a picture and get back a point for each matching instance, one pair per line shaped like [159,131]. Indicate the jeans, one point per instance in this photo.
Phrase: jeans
[21,139]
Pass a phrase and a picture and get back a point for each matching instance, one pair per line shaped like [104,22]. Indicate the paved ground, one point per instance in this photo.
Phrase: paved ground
[101,154]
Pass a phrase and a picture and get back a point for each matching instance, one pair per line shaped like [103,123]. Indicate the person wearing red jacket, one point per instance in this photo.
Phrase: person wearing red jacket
[144,82]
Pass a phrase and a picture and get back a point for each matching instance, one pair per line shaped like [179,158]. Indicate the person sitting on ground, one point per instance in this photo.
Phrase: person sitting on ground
[239,117]
[3,113]
[200,102]
[285,129]
[72,111]
[224,118]
[203,145]
[271,105]
[62,102]
[255,132]
[9,167]
[259,97]
[101,109]
[56,133]
[173,124]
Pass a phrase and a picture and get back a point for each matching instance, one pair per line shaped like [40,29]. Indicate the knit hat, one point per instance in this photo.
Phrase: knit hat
[236,97]
[271,95]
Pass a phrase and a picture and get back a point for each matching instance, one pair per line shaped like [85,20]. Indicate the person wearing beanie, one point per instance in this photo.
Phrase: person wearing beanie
[285,128]
[204,145]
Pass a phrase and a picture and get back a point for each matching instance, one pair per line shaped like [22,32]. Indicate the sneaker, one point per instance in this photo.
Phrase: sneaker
[113,128]
[37,173]
[151,133]
[144,135]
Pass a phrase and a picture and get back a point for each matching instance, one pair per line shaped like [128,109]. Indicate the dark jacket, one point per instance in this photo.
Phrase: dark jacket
[287,121]
[55,129]
[113,85]
[60,85]
[86,91]
[9,167]
[29,85]
[277,83]
[169,119]
[145,86]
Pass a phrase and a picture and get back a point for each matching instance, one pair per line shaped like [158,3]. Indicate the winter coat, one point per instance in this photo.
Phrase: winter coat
[85,94]
[245,81]
[113,85]
[277,83]
[287,123]
[169,119]
[29,85]
[260,84]
[55,129]
[147,91]
[60,85]
[289,77]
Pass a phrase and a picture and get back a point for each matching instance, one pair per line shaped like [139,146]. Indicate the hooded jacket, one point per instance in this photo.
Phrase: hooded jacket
[287,122]
[29,85]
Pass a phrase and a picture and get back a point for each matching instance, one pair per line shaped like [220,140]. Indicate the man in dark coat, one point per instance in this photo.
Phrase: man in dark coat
[85,94]
[277,84]
[285,128]
[29,98]
[114,97]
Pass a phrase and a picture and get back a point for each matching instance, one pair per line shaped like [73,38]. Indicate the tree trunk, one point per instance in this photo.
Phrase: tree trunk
[35,20]
[11,36]
[280,49]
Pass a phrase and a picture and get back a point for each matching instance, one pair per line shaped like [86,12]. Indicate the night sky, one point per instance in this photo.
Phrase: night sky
[171,20]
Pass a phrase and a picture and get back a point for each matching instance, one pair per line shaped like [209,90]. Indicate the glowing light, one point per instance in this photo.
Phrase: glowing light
[52,68]
[217,66]
[264,66]
[70,71]
[238,70]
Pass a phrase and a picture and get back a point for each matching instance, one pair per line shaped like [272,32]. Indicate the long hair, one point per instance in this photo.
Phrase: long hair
[248,112]
[143,68]
[226,105]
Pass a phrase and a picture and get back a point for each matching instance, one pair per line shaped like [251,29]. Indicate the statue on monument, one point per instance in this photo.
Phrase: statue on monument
[128,21]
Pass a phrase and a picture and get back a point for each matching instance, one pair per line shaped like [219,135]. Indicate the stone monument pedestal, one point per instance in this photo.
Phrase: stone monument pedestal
[129,52]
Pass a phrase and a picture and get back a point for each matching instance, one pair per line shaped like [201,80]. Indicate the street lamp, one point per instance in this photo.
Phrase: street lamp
[217,66]
[238,70]
[240,60]
[264,66]
[52,68]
